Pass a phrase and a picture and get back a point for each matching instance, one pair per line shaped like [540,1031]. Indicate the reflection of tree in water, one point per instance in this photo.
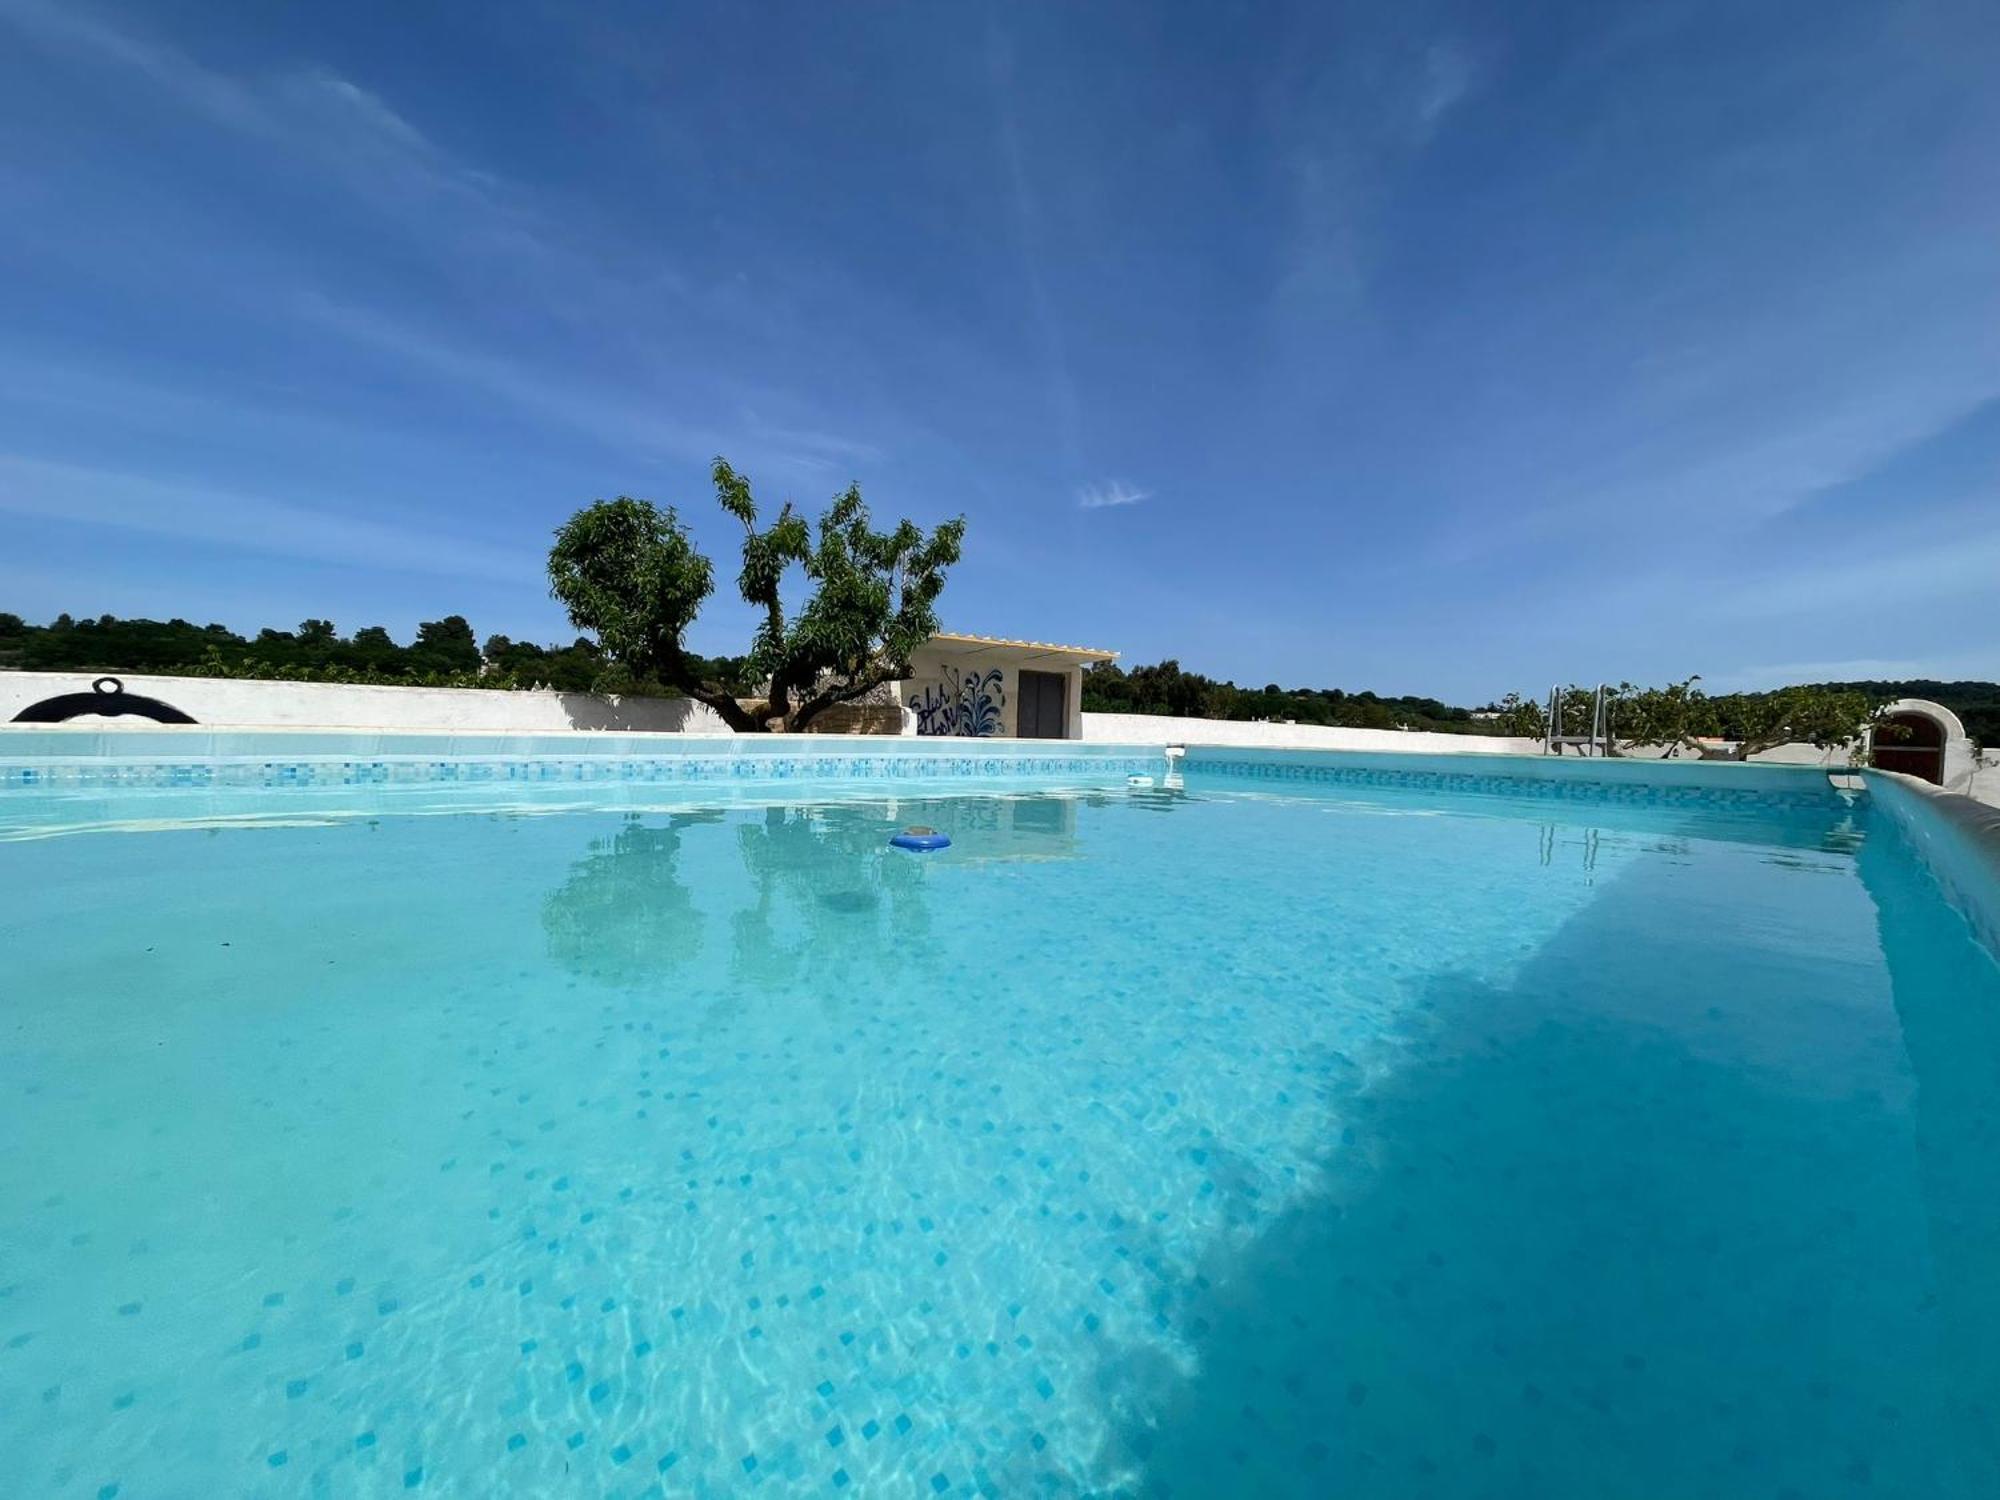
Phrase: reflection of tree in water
[623,917]
[828,896]
[830,892]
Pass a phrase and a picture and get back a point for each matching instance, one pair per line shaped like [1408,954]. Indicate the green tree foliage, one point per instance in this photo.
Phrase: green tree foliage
[1518,717]
[1814,715]
[575,668]
[442,655]
[1679,714]
[628,573]
[443,646]
[1977,704]
[1164,688]
[110,643]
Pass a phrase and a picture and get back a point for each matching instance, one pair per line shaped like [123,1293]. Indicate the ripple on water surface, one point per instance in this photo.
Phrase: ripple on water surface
[1213,1144]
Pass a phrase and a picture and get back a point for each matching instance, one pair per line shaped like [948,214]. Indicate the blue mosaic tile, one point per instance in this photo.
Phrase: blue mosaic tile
[537,1077]
[1114,762]
[1561,788]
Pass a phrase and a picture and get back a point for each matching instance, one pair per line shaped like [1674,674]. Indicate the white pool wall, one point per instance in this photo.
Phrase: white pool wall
[1957,837]
[227,702]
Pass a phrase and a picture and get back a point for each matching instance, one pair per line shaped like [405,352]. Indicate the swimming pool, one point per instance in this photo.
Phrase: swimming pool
[1299,1130]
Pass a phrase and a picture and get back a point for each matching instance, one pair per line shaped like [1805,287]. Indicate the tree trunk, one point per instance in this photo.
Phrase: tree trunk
[674,671]
[818,703]
[728,709]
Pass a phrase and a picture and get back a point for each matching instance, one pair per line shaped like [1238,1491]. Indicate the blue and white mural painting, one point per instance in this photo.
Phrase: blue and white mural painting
[968,705]
[933,706]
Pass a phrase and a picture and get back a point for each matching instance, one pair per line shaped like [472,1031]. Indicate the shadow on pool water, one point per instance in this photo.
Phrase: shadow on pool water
[1569,1252]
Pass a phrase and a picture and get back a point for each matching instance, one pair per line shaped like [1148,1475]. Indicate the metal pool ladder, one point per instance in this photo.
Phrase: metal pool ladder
[1597,742]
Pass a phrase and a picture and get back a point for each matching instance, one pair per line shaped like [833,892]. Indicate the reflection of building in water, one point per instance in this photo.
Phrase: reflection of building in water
[623,916]
[833,900]
[829,900]
[829,895]
[988,830]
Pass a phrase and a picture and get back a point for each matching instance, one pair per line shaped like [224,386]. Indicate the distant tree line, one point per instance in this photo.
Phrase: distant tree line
[444,653]
[1826,714]
[1164,688]
[1977,704]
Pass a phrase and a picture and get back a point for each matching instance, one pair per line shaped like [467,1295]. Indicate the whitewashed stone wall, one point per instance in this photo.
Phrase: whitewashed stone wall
[234,702]
[1152,728]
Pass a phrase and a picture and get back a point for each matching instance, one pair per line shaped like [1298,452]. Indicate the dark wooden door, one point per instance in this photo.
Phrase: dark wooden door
[1044,706]
[1915,746]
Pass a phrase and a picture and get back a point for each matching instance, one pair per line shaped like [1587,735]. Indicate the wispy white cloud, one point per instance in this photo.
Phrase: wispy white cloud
[1778,459]
[1345,129]
[246,522]
[595,412]
[315,116]
[1028,231]
[1113,492]
[598,409]
[1912,577]
[810,446]
[1448,76]
[1929,572]
[320,122]
[72,28]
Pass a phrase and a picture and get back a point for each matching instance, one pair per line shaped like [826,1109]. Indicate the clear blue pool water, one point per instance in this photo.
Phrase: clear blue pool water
[1251,1140]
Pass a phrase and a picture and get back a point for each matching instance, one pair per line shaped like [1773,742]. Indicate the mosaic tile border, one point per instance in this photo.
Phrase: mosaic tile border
[1546,788]
[682,768]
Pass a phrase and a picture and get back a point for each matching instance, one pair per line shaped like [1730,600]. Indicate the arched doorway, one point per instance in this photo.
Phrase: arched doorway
[1915,746]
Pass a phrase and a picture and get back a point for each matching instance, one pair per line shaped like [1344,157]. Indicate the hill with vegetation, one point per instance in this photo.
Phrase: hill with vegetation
[444,653]
[1165,688]
[1807,709]
[447,653]
[1977,704]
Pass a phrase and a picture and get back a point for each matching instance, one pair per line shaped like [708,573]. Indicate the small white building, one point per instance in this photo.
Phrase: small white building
[1928,741]
[983,685]
[961,685]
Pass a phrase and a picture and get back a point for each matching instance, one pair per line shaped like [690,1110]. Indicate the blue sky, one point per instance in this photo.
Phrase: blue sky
[1423,347]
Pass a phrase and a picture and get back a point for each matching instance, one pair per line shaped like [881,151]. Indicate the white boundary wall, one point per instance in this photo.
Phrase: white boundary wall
[229,702]
[226,703]
[244,703]
[1128,729]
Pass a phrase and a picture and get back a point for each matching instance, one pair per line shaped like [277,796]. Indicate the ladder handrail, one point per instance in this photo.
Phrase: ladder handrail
[1597,742]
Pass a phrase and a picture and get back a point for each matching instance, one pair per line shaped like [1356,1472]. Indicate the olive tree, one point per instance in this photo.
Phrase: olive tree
[1821,716]
[1677,715]
[628,573]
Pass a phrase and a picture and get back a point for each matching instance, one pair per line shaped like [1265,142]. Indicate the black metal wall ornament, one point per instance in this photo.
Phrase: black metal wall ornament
[107,696]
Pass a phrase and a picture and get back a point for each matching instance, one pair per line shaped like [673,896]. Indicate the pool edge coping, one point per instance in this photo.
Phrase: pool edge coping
[1956,837]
